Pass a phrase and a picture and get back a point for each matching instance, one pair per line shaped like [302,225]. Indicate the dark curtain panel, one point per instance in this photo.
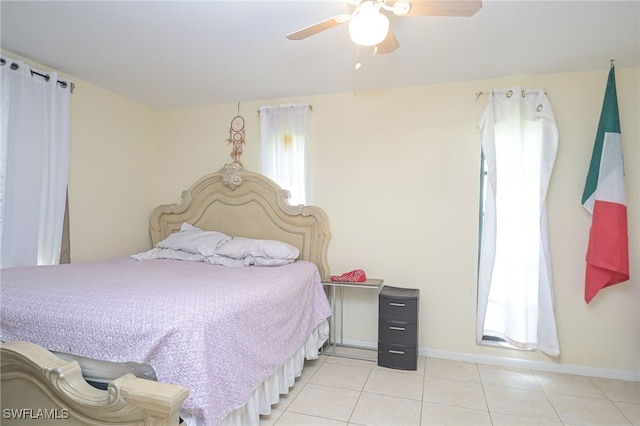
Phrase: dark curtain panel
[65,249]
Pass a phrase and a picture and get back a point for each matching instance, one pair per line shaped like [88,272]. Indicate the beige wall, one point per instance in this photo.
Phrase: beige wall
[397,172]
[114,168]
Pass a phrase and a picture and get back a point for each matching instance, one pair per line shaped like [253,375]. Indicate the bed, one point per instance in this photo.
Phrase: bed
[236,337]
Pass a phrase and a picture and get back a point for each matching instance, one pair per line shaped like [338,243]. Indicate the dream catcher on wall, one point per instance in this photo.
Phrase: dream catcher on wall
[236,137]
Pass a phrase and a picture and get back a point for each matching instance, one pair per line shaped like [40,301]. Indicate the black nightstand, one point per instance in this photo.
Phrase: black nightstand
[398,328]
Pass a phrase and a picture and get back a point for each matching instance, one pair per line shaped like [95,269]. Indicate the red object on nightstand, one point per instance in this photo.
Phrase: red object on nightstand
[355,276]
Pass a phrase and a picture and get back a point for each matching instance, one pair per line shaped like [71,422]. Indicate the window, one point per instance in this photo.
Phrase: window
[283,138]
[515,300]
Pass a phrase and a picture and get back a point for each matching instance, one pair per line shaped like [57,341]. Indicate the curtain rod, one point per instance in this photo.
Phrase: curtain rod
[289,105]
[509,93]
[15,66]
[284,105]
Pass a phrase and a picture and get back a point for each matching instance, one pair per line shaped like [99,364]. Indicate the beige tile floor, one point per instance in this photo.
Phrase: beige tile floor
[343,391]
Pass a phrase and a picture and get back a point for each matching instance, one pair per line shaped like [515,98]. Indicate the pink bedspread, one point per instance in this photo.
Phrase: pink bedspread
[218,331]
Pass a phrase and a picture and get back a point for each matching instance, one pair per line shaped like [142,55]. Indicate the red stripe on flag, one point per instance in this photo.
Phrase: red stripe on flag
[608,253]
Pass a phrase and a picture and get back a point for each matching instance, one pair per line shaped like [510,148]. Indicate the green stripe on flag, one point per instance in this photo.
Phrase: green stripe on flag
[609,123]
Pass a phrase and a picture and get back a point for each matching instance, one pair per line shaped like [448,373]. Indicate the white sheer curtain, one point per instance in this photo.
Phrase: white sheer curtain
[34,162]
[283,139]
[515,294]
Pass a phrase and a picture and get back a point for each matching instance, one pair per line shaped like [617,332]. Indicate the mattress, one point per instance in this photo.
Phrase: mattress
[221,332]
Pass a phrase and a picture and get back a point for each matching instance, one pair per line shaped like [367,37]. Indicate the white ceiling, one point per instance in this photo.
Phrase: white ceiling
[171,54]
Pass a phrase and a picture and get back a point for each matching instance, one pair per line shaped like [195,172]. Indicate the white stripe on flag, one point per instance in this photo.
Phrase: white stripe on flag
[611,176]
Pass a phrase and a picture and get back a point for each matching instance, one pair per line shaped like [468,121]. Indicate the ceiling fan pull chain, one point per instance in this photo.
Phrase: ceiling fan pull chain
[358,64]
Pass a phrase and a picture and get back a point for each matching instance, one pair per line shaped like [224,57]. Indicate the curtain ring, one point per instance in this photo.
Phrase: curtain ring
[539,107]
[523,93]
[509,93]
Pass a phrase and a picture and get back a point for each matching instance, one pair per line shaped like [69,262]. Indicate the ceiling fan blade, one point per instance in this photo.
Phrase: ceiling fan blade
[444,7]
[318,27]
[389,44]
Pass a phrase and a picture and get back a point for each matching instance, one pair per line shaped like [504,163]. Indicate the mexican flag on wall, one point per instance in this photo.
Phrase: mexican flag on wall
[604,197]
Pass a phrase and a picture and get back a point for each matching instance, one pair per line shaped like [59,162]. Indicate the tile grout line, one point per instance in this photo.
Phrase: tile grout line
[484,394]
[360,395]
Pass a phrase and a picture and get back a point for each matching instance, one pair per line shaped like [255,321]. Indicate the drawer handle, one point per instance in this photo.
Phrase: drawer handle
[402,305]
[391,351]
[397,328]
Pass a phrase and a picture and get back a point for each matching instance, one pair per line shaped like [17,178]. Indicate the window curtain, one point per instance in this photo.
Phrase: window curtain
[515,295]
[34,162]
[283,139]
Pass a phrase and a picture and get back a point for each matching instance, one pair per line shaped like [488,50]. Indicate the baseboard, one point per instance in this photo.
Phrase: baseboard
[607,373]
[362,344]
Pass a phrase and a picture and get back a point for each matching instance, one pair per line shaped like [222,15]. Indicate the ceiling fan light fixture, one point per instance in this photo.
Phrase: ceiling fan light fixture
[369,27]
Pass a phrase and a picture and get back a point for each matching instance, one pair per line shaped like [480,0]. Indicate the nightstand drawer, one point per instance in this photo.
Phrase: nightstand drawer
[401,357]
[398,309]
[400,332]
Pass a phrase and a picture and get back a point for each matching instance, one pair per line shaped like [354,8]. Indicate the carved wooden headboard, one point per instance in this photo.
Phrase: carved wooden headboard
[241,203]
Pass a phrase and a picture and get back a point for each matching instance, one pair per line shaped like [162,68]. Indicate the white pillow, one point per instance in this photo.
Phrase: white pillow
[240,248]
[265,261]
[194,240]
[225,261]
[188,227]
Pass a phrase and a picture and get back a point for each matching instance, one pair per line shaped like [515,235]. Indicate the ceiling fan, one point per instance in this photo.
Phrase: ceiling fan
[369,26]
